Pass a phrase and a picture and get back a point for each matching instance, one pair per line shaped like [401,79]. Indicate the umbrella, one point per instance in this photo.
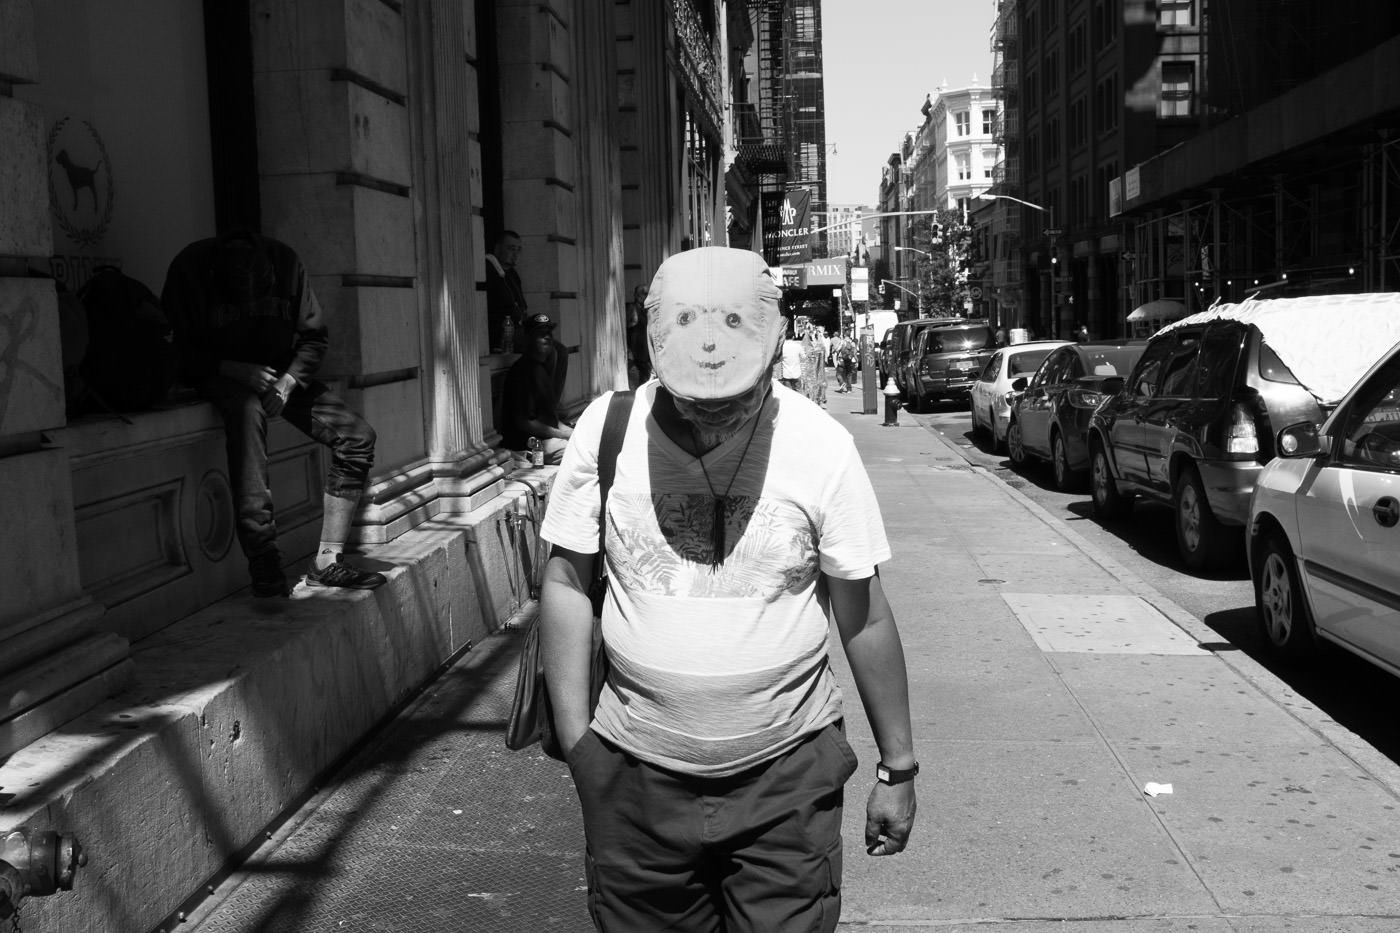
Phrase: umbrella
[1163,309]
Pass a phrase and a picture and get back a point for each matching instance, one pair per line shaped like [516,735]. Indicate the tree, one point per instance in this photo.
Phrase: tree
[947,239]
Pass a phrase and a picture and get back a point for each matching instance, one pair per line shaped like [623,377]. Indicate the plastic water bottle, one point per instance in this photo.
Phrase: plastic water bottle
[536,453]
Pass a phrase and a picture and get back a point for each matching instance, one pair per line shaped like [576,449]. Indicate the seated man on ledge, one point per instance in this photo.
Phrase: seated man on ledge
[529,400]
[250,336]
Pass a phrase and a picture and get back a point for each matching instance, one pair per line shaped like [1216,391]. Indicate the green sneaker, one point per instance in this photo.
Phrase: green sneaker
[344,576]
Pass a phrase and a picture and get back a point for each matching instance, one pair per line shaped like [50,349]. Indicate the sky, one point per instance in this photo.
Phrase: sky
[880,59]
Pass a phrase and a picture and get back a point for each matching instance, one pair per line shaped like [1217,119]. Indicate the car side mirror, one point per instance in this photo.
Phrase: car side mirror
[1112,385]
[1302,440]
[1019,385]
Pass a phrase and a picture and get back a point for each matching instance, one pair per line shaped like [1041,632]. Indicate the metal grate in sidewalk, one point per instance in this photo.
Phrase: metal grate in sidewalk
[435,826]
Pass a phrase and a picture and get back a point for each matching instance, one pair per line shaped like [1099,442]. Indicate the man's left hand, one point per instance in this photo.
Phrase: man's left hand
[275,398]
[889,817]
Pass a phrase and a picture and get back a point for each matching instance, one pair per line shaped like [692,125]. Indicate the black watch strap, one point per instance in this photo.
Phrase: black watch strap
[887,775]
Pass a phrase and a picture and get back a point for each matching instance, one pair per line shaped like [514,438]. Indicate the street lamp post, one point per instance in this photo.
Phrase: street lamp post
[900,287]
[926,255]
[1051,232]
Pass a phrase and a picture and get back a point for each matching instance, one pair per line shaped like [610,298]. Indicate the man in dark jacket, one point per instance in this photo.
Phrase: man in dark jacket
[529,404]
[251,336]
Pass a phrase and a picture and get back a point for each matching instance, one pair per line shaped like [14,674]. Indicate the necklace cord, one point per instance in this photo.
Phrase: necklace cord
[719,513]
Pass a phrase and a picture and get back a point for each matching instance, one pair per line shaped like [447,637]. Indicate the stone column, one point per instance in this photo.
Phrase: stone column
[446,164]
[54,664]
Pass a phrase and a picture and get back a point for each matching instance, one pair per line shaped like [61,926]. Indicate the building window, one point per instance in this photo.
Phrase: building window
[1052,15]
[989,121]
[1105,23]
[1033,88]
[1032,23]
[1175,12]
[1079,199]
[962,123]
[1106,104]
[1178,89]
[1052,142]
[1078,47]
[1052,72]
[964,164]
[1078,123]
[1106,173]
[989,161]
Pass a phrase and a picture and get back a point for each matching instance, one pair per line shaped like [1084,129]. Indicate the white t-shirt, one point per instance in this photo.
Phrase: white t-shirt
[715,670]
[792,359]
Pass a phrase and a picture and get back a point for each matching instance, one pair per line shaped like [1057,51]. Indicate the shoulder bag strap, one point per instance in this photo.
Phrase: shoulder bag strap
[614,430]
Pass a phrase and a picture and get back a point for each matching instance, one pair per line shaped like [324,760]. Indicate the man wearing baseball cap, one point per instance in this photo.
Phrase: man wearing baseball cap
[529,397]
[711,773]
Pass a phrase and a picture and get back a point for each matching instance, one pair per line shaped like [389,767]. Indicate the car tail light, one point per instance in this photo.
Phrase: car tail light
[1242,437]
[1085,398]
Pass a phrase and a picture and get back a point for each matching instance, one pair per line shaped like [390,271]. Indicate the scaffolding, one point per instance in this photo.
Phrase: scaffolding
[1302,228]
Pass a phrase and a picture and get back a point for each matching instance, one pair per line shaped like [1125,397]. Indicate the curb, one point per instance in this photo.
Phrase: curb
[1366,757]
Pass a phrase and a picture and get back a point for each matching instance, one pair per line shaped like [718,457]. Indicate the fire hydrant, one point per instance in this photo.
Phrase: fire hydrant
[891,403]
[35,863]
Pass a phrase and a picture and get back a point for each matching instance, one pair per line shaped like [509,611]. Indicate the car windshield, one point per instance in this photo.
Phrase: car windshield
[1027,362]
[1111,361]
[956,339]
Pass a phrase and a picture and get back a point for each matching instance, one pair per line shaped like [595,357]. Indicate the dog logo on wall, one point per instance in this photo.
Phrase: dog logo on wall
[81,192]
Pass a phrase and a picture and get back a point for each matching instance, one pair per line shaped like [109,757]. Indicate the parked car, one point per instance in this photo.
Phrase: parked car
[1196,420]
[948,361]
[1050,420]
[901,345]
[1324,528]
[992,393]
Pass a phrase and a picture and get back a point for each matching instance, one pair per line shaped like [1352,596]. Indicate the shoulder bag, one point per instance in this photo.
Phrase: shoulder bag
[531,715]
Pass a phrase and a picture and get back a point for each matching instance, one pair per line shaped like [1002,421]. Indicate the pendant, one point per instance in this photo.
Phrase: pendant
[717,521]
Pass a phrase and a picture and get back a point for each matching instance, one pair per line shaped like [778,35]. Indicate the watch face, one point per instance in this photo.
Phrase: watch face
[882,773]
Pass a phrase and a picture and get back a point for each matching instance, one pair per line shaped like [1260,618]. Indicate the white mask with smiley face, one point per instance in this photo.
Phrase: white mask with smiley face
[713,323]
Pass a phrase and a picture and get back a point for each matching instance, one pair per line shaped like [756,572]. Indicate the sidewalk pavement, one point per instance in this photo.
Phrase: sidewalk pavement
[1051,687]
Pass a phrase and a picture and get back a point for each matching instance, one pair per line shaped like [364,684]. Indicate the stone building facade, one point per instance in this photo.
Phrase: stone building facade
[387,141]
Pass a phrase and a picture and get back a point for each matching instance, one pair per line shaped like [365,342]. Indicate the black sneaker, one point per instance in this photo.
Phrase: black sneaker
[344,576]
[268,579]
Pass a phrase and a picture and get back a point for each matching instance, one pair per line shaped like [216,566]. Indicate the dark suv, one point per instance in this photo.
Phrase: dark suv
[946,360]
[1192,426]
[901,346]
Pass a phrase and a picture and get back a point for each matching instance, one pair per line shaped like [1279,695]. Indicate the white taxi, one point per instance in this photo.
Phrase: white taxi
[1324,528]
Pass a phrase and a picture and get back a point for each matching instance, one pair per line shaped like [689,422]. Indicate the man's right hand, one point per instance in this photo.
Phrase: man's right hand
[257,378]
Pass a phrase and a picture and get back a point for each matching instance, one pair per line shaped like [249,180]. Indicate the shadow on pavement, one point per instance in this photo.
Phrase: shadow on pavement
[1354,693]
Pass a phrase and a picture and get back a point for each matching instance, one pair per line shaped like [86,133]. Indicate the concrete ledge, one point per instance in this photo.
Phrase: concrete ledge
[235,711]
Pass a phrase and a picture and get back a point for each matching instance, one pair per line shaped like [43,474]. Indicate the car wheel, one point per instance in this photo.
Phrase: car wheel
[1285,620]
[1014,448]
[1066,478]
[1109,503]
[1203,542]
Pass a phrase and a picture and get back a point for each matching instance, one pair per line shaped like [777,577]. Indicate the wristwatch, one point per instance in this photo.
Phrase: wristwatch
[887,775]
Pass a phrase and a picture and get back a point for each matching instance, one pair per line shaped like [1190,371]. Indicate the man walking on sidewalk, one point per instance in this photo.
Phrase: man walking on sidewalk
[711,774]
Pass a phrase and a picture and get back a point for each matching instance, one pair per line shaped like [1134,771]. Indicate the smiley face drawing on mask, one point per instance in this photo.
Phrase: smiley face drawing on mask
[713,323]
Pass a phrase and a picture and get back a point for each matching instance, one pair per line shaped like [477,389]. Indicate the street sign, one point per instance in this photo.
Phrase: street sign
[975,292]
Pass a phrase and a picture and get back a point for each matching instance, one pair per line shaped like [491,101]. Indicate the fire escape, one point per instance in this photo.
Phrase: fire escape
[1006,245]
